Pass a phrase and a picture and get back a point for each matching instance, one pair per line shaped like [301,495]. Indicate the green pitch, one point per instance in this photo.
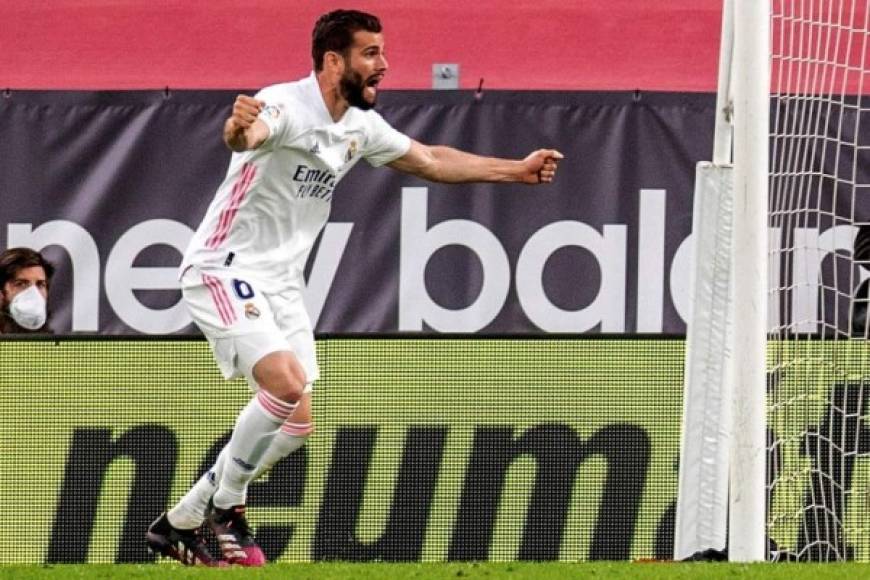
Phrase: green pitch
[415,571]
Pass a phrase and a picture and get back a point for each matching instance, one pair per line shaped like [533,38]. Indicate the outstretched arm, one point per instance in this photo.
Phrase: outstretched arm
[243,130]
[448,165]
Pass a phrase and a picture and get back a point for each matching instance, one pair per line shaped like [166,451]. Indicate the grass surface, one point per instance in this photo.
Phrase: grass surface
[416,571]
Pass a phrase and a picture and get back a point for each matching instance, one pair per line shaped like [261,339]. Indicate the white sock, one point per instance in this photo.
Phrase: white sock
[190,510]
[282,445]
[255,429]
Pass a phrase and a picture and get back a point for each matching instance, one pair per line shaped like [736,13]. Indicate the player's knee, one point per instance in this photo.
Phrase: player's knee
[282,376]
[288,387]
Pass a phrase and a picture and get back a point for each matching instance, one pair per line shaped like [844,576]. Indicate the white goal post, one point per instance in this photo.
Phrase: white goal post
[723,436]
[775,450]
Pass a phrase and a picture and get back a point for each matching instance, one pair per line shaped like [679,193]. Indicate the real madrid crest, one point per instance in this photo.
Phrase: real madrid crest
[351,150]
[251,311]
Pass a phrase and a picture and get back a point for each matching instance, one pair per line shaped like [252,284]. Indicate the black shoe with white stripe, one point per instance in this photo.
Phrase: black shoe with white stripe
[186,546]
[233,533]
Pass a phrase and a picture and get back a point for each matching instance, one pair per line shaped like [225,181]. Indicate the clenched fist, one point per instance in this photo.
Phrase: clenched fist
[540,166]
[240,130]
[245,111]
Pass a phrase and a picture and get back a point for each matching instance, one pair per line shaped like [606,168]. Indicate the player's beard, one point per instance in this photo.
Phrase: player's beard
[352,87]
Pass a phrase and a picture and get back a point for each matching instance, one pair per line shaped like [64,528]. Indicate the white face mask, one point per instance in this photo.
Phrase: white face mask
[28,309]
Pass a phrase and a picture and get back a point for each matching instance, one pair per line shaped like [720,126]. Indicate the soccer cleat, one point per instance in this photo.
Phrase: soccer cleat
[186,546]
[234,537]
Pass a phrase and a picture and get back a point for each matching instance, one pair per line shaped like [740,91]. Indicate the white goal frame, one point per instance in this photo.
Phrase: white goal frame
[723,452]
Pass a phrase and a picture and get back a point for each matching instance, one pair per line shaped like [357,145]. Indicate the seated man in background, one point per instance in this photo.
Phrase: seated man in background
[24,279]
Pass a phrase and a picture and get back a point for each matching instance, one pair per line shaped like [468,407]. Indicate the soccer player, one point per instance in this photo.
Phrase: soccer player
[24,280]
[242,278]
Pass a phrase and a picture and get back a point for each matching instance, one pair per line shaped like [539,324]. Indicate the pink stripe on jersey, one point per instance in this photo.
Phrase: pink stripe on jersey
[220,298]
[228,213]
[222,218]
[275,407]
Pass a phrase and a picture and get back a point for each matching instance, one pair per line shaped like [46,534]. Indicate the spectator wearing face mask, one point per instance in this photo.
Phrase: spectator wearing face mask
[24,279]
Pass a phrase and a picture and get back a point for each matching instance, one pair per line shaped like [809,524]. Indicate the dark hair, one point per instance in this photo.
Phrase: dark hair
[334,32]
[15,259]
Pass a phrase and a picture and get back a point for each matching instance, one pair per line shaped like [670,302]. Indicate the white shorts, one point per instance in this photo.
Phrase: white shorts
[243,324]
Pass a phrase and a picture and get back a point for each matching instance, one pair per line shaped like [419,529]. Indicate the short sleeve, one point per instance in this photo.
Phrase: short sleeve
[384,144]
[276,115]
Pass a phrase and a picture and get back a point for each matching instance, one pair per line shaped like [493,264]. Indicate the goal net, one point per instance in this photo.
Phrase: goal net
[819,360]
[812,434]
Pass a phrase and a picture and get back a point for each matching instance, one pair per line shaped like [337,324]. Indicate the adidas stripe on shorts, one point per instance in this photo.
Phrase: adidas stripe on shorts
[243,324]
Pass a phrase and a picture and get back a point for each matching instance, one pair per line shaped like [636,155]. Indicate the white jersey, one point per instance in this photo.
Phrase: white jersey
[275,199]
